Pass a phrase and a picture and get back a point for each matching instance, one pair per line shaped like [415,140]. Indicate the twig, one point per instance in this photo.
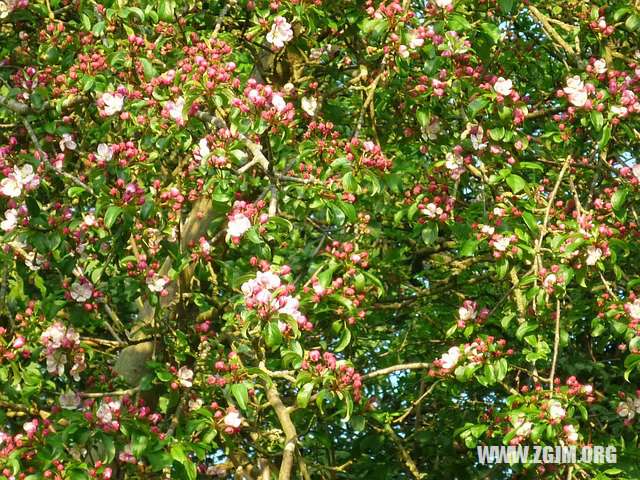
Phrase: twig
[395,368]
[47,165]
[543,227]
[404,454]
[417,402]
[556,345]
[223,14]
[117,393]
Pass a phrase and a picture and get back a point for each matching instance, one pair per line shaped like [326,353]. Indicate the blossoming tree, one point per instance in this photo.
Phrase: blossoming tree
[317,239]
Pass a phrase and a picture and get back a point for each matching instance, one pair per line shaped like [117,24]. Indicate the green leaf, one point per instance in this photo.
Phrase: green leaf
[147,209]
[430,233]
[98,28]
[304,395]
[159,460]
[505,5]
[345,338]
[494,32]
[524,329]
[148,68]
[40,241]
[618,198]
[166,10]
[87,83]
[632,360]
[111,216]
[633,23]
[606,135]
[273,335]
[74,192]
[349,183]
[241,394]
[475,106]
[516,183]
[530,221]
[458,23]
[497,133]
[139,442]
[76,474]
[597,119]
[423,117]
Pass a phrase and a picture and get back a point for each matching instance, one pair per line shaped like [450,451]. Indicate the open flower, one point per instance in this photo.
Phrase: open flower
[10,187]
[443,3]
[576,91]
[600,66]
[629,408]
[555,410]
[70,401]
[570,432]
[278,102]
[523,428]
[4,10]
[454,161]
[432,210]
[175,108]
[80,292]
[113,102]
[233,419]
[238,225]
[431,131]
[503,87]
[156,283]
[476,139]
[104,153]
[309,105]
[450,359]
[593,255]
[280,32]
[11,220]
[67,143]
[185,377]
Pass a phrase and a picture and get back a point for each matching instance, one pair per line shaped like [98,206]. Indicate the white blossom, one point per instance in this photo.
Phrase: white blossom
[113,102]
[280,32]
[104,153]
[156,283]
[67,142]
[10,186]
[450,359]
[555,410]
[11,220]
[80,292]
[233,419]
[503,87]
[309,105]
[593,255]
[238,225]
[185,377]
[432,210]
[600,66]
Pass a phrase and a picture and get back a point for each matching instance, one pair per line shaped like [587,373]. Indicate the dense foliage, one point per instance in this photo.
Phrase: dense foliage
[317,239]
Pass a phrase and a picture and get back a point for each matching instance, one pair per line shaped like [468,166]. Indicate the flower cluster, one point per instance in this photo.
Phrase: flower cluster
[21,178]
[477,352]
[577,92]
[371,156]
[267,294]
[111,103]
[60,344]
[327,364]
[629,408]
[280,33]
[240,218]
[469,311]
